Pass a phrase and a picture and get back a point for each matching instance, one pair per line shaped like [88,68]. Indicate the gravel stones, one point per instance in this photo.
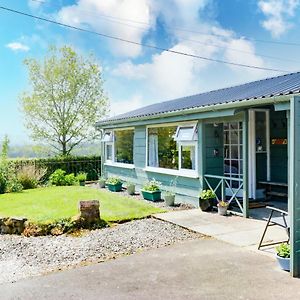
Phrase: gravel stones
[21,257]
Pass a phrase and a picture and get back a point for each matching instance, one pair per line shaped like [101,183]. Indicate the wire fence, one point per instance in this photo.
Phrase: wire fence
[87,164]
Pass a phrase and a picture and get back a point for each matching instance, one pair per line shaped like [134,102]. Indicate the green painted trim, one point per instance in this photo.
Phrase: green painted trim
[294,181]
[245,165]
[209,108]
[201,153]
[282,106]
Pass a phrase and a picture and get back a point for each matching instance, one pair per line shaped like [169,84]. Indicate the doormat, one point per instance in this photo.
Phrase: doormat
[257,204]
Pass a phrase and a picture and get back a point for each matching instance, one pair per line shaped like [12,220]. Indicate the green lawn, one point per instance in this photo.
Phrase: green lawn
[54,203]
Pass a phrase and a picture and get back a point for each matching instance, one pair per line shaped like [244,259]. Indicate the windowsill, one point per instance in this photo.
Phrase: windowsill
[181,173]
[119,165]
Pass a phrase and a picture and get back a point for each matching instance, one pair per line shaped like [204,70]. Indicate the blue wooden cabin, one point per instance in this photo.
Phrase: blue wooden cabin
[230,140]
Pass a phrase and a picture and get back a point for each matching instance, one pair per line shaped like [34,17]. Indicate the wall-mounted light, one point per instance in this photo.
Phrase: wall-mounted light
[216,152]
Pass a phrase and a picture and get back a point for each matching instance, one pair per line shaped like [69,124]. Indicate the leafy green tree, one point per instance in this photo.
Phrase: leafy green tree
[65,101]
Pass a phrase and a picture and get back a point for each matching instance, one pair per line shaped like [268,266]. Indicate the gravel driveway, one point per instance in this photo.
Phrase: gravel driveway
[21,257]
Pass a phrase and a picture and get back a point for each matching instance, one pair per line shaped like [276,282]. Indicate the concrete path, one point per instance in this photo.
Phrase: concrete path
[199,269]
[231,229]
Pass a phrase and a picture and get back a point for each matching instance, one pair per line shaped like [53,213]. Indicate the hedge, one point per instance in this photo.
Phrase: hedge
[74,164]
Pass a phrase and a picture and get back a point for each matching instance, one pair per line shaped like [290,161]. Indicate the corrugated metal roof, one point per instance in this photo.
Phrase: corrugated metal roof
[265,88]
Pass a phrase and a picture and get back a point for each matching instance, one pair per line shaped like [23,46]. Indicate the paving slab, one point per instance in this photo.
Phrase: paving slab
[200,269]
[232,229]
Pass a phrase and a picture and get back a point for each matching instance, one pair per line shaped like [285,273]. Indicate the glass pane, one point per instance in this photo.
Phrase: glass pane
[124,146]
[226,137]
[234,167]
[162,148]
[188,157]
[260,129]
[109,152]
[226,152]
[226,166]
[234,152]
[234,137]
[185,134]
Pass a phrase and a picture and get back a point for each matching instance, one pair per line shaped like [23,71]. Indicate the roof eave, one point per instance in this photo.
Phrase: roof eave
[206,108]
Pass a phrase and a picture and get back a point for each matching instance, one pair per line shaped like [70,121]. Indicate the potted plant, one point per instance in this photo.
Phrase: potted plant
[206,200]
[130,188]
[114,184]
[283,256]
[101,182]
[81,177]
[151,190]
[222,207]
[169,198]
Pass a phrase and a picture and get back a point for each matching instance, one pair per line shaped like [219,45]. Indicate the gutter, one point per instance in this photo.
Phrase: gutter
[207,108]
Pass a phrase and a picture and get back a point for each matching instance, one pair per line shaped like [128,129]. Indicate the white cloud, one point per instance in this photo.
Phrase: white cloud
[97,15]
[278,13]
[164,75]
[35,4]
[241,58]
[125,105]
[16,46]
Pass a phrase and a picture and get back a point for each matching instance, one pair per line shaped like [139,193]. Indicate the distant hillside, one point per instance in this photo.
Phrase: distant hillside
[40,151]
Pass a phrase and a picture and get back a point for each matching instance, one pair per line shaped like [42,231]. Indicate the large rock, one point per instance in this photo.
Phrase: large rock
[89,211]
[12,225]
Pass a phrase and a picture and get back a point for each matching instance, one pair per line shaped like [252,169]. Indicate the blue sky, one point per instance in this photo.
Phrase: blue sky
[231,30]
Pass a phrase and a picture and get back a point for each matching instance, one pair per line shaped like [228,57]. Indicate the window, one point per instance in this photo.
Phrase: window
[109,151]
[173,147]
[124,146]
[163,152]
[233,151]
[188,156]
[119,146]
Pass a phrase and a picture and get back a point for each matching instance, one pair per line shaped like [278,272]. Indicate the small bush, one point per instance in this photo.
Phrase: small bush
[81,176]
[70,179]
[152,186]
[59,178]
[14,186]
[113,180]
[30,176]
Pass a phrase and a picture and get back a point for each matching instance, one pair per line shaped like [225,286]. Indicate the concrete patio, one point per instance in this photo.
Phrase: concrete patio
[231,229]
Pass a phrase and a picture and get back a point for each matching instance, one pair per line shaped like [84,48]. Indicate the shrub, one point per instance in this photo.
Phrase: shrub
[283,250]
[207,194]
[113,180]
[152,186]
[70,179]
[30,176]
[58,177]
[81,176]
[14,186]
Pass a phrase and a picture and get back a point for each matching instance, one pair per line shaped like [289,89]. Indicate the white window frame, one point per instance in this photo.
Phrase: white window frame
[188,143]
[194,138]
[179,172]
[113,162]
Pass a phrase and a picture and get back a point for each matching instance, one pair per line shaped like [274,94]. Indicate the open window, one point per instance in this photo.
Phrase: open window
[186,133]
